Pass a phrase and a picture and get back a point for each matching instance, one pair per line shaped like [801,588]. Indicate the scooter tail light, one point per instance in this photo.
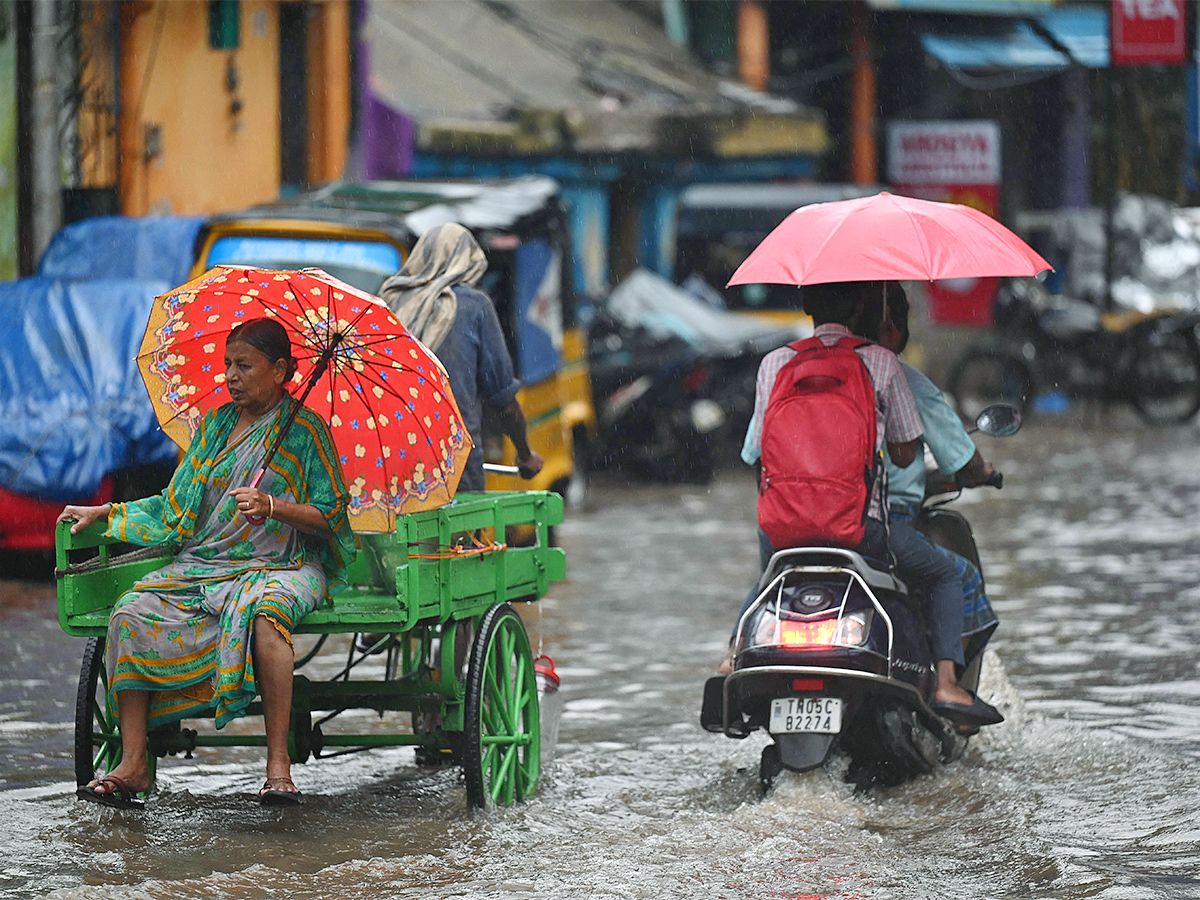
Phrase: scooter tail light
[807,634]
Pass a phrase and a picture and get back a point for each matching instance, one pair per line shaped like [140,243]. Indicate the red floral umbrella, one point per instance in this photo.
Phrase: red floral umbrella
[885,237]
[385,396]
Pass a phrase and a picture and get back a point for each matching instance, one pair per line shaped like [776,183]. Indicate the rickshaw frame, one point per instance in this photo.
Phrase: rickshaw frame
[415,586]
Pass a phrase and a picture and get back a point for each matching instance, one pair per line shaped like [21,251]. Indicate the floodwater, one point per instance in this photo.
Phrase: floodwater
[1089,790]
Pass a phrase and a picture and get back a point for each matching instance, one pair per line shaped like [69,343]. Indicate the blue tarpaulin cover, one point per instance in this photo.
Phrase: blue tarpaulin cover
[73,407]
[156,248]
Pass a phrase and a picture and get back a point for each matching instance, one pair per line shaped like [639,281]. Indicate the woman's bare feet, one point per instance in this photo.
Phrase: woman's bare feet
[279,790]
[128,772]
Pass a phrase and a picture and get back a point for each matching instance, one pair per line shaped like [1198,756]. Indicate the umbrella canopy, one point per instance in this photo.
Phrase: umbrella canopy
[886,238]
[386,398]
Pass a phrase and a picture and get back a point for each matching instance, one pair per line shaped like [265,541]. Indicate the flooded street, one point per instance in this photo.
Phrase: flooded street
[1089,790]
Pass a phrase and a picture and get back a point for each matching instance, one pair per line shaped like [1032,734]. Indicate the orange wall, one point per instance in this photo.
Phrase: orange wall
[211,159]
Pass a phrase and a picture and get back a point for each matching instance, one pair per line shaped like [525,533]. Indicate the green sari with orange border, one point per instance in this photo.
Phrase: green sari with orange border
[185,631]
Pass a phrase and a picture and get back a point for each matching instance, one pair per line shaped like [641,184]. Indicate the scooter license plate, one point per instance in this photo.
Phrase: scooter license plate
[806,715]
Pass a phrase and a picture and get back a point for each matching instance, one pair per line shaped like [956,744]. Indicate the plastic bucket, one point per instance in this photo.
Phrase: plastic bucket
[550,706]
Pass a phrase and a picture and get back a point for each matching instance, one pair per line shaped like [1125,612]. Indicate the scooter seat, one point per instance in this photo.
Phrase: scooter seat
[873,571]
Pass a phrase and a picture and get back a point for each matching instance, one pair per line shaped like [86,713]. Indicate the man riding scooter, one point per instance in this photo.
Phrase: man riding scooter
[837,310]
[954,452]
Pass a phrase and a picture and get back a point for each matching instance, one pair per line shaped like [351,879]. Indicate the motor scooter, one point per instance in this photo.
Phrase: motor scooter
[834,652]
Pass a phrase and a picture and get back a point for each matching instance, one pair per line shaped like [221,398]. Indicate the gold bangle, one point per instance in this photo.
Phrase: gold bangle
[271,512]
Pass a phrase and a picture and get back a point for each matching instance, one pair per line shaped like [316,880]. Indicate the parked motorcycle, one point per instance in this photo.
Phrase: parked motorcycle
[673,377]
[835,653]
[652,391]
[1050,343]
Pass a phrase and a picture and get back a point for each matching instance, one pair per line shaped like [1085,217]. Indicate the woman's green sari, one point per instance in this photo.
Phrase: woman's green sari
[185,631]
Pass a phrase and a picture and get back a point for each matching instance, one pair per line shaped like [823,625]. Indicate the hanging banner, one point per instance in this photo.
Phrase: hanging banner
[1148,32]
[952,162]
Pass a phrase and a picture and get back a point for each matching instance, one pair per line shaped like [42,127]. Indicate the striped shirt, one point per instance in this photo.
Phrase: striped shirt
[896,418]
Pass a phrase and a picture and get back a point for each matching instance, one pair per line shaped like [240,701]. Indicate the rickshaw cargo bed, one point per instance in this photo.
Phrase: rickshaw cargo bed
[399,579]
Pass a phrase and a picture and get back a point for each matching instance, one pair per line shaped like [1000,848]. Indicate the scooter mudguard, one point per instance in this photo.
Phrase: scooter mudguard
[801,752]
[711,711]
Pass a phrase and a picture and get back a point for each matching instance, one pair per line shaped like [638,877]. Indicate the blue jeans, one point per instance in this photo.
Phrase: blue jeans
[921,564]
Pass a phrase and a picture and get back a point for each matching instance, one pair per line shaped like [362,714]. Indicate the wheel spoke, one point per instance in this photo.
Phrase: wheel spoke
[498,705]
[502,779]
[491,719]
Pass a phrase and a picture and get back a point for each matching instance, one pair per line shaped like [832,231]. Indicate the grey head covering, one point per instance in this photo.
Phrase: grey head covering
[421,294]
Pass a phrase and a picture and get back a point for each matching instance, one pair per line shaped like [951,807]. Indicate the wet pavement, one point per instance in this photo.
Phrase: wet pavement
[1089,790]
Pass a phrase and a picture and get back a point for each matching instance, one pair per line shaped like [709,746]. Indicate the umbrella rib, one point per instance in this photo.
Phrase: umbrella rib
[825,241]
[411,408]
[921,238]
[304,308]
[386,460]
[380,383]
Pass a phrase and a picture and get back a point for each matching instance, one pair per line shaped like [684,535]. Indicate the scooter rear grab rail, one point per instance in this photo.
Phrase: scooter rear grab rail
[857,570]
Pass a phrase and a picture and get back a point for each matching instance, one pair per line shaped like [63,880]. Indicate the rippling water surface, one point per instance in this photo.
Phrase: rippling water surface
[1089,790]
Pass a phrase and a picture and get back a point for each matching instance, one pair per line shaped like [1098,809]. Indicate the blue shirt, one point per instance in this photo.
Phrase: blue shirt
[480,370]
[947,439]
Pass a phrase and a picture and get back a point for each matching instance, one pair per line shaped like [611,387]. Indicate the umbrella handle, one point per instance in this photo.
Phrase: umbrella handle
[257,520]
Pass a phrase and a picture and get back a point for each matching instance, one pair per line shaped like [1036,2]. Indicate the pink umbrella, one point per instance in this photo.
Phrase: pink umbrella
[886,238]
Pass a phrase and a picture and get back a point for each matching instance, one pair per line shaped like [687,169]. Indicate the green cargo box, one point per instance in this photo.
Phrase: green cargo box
[391,587]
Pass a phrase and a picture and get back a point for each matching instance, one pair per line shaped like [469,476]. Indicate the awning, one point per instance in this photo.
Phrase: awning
[1015,44]
[966,7]
[523,77]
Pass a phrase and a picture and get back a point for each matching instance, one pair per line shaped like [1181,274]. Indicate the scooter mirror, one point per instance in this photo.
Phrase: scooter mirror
[999,420]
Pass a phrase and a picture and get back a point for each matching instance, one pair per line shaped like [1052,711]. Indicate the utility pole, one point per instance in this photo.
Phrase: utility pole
[45,158]
[864,164]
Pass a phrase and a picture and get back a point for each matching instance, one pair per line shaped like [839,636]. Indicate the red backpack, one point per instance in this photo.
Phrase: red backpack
[818,448]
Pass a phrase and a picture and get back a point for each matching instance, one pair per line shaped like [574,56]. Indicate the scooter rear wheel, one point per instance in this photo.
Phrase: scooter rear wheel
[769,766]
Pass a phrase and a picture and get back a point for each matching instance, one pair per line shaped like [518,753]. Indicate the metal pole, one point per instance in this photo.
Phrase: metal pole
[1110,176]
[45,158]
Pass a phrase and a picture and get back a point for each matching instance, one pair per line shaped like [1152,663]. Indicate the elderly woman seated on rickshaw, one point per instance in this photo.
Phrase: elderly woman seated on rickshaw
[213,628]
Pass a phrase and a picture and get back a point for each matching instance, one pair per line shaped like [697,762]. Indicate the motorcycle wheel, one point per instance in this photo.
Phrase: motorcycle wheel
[984,376]
[1165,382]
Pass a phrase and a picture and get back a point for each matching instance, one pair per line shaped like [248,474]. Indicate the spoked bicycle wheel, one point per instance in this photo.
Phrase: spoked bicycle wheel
[1166,377]
[500,756]
[984,376]
[97,740]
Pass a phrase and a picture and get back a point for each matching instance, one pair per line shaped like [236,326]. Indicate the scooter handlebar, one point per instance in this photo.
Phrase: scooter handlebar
[996,480]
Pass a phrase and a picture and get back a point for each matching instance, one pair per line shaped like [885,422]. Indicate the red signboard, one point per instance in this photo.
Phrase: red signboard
[953,162]
[1147,32]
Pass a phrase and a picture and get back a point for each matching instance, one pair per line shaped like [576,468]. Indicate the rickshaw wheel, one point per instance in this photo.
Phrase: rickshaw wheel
[97,740]
[500,758]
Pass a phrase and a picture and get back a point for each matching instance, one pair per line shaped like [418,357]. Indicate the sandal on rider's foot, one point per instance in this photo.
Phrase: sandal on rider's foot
[273,792]
[978,712]
[118,795]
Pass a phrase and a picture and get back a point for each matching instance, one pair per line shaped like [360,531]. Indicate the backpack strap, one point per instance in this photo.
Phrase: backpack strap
[815,343]
[806,344]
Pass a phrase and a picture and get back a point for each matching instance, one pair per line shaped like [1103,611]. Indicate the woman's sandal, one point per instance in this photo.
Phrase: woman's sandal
[271,795]
[119,794]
